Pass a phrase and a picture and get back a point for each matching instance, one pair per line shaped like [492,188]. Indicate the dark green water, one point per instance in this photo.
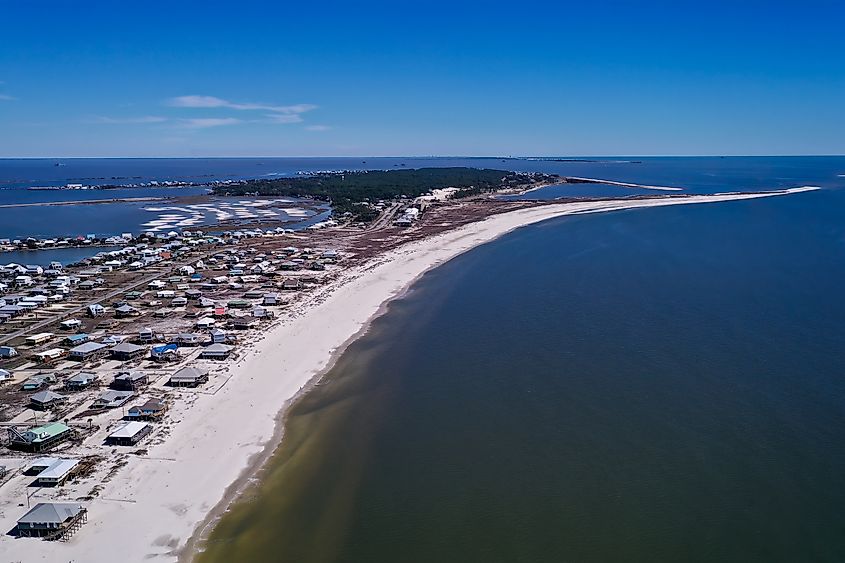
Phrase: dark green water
[654,385]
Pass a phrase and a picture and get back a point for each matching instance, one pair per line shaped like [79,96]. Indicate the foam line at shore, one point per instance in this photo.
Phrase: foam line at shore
[221,439]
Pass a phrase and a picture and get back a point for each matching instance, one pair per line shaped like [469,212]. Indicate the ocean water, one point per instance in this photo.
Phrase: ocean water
[652,385]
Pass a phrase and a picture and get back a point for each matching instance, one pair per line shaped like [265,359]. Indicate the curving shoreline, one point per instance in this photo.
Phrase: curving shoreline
[222,441]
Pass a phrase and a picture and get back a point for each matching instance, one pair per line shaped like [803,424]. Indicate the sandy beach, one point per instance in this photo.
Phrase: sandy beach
[156,504]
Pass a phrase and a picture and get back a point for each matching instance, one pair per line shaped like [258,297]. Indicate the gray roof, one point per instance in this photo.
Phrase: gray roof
[130,375]
[217,348]
[127,347]
[46,397]
[189,336]
[151,405]
[87,347]
[51,512]
[189,373]
[82,377]
[112,397]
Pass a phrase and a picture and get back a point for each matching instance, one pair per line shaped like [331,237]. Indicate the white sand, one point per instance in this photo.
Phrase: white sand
[154,504]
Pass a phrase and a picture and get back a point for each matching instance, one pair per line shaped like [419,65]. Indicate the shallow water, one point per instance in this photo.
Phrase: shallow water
[659,384]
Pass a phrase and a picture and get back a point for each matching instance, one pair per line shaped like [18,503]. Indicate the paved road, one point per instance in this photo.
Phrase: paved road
[384,219]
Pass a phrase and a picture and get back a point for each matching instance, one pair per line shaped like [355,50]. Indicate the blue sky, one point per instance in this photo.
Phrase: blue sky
[445,78]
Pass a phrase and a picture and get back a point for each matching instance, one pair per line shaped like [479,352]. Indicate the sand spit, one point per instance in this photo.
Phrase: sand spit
[575,179]
[156,503]
[579,180]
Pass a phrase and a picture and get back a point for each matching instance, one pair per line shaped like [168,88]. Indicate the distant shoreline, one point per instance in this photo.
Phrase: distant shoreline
[83,202]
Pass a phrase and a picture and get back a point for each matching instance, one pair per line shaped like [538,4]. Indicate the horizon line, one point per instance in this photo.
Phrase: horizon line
[492,157]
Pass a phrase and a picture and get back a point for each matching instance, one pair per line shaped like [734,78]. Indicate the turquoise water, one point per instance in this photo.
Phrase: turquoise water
[653,385]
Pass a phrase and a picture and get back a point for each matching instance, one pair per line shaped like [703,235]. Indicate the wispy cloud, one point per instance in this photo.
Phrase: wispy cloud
[277,114]
[317,127]
[130,120]
[6,98]
[196,101]
[206,122]
[283,118]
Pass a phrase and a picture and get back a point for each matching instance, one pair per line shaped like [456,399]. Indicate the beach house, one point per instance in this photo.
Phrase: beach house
[127,351]
[216,351]
[7,352]
[129,380]
[189,339]
[129,433]
[39,438]
[75,339]
[37,381]
[51,355]
[218,336]
[188,377]
[146,335]
[40,338]
[46,399]
[70,324]
[243,323]
[82,380]
[112,399]
[96,310]
[126,311]
[151,410]
[57,473]
[87,351]
[52,520]
[272,299]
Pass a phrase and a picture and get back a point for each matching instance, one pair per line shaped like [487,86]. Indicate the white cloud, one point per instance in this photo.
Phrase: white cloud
[5,98]
[283,118]
[205,122]
[317,128]
[130,120]
[197,101]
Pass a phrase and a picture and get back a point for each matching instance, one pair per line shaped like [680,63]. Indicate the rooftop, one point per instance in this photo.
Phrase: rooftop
[87,348]
[51,429]
[128,429]
[59,469]
[51,512]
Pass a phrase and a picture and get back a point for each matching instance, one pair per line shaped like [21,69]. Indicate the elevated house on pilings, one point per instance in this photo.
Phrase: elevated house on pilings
[40,438]
[52,521]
